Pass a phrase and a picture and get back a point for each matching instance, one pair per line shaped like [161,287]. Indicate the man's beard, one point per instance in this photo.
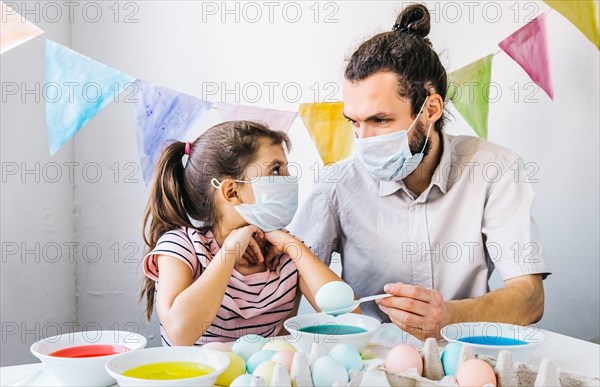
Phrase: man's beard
[418,141]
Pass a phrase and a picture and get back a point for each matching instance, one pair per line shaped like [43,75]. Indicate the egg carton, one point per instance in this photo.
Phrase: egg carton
[508,372]
[300,375]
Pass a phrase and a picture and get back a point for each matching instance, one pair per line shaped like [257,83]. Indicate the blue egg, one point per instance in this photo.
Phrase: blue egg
[257,358]
[247,345]
[334,295]
[326,371]
[348,356]
[242,381]
[450,357]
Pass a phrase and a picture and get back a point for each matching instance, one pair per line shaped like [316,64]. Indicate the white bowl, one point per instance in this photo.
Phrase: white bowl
[88,371]
[304,340]
[493,332]
[215,359]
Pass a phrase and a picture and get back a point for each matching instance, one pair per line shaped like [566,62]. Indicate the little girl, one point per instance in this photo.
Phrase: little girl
[220,265]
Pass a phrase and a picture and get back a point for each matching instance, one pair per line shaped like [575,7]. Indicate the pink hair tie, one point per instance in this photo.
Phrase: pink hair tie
[188,146]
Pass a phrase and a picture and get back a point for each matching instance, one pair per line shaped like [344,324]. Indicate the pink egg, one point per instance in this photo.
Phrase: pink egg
[285,357]
[217,346]
[475,372]
[403,357]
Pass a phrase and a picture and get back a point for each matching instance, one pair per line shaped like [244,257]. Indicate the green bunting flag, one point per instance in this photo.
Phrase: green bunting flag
[469,91]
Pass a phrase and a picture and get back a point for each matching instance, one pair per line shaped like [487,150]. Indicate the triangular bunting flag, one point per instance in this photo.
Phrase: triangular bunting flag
[527,46]
[471,94]
[15,29]
[163,114]
[582,13]
[275,119]
[330,131]
[76,89]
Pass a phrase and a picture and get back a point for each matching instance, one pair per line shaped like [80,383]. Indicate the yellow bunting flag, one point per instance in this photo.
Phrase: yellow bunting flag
[469,91]
[16,30]
[582,13]
[330,131]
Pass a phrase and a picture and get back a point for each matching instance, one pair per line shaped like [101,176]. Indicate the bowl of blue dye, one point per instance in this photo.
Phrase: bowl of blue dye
[489,338]
[351,328]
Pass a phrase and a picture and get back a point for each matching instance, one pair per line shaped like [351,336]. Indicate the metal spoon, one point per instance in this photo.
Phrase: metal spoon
[355,304]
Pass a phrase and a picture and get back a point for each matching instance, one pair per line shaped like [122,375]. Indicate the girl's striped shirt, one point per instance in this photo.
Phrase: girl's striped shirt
[254,303]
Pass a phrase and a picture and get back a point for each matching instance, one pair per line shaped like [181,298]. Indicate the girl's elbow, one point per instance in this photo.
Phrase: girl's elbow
[180,340]
[179,334]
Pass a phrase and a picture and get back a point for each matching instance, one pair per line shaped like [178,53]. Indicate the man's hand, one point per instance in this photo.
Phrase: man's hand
[417,310]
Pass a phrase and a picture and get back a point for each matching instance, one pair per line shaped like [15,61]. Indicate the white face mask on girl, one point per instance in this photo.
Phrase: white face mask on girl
[276,201]
[388,157]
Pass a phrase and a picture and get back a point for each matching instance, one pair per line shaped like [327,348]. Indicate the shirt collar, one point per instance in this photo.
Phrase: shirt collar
[439,178]
[389,187]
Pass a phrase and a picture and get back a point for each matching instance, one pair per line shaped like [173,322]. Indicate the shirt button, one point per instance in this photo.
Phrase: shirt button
[418,207]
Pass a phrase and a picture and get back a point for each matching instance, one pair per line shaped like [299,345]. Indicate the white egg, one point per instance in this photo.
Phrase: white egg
[334,295]
[326,371]
[348,356]
[247,345]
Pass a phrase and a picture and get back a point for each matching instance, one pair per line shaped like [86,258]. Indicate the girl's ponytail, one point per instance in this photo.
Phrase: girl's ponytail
[165,210]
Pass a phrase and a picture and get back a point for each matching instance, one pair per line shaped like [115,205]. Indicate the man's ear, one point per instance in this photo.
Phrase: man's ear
[229,193]
[434,107]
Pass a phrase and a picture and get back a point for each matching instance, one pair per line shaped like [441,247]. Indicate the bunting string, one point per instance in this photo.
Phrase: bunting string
[163,114]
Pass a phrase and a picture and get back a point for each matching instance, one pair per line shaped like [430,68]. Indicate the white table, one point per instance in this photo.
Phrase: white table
[568,353]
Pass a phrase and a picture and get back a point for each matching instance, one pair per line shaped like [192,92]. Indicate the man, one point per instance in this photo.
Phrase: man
[417,213]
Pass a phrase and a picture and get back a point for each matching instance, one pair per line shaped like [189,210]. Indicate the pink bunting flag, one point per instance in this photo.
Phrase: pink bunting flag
[528,47]
[15,29]
[275,119]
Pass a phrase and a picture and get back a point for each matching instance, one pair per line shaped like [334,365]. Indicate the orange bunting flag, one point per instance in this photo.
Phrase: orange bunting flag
[15,30]
[329,130]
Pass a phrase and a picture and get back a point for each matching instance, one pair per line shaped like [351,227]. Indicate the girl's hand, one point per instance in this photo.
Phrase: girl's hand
[250,257]
[281,241]
[242,239]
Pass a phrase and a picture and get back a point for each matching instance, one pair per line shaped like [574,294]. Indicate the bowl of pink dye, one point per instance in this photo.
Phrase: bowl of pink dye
[78,358]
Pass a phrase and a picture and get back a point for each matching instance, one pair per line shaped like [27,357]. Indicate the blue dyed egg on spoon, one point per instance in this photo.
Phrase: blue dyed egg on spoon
[336,298]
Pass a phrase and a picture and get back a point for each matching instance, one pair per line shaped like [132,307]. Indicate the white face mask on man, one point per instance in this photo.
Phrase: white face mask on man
[388,157]
[276,201]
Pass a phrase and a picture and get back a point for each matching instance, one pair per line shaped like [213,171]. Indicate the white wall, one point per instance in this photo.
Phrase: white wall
[37,296]
[184,46]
